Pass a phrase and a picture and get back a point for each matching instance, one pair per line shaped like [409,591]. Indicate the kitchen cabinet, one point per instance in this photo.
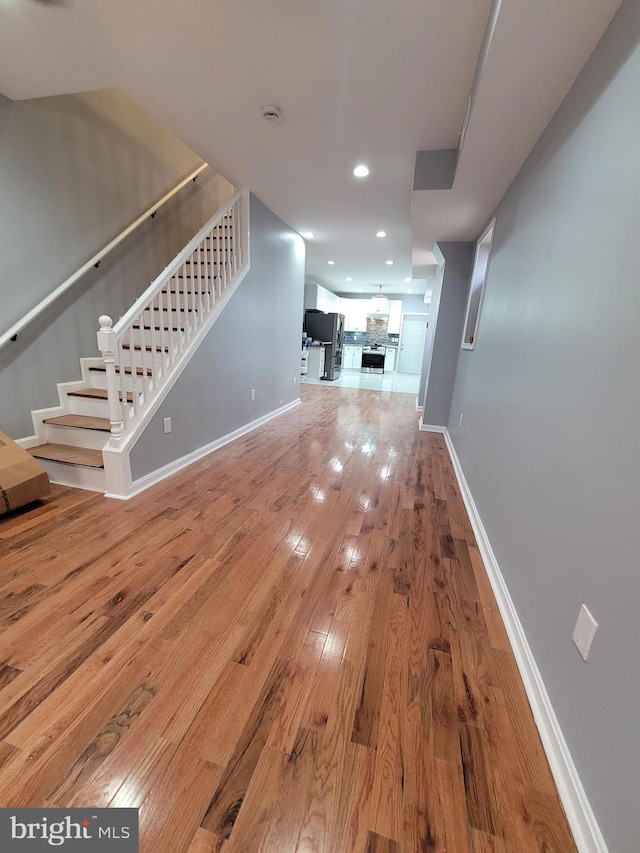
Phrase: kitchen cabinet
[316,296]
[351,357]
[315,363]
[356,319]
[390,359]
[395,316]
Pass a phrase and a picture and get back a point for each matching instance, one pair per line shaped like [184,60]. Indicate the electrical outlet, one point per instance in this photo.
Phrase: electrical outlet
[584,632]
[253,393]
[460,420]
[167,425]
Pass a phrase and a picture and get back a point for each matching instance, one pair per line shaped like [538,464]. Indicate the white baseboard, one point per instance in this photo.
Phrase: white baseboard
[431,427]
[583,823]
[418,406]
[177,465]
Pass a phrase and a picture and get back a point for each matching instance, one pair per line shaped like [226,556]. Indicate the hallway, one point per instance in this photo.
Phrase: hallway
[290,646]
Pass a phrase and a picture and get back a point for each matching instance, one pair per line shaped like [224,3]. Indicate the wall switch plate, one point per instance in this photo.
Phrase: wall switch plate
[167,425]
[295,380]
[460,420]
[253,393]
[584,632]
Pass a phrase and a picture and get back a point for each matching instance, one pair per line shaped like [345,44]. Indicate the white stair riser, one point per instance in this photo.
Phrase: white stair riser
[80,476]
[171,319]
[161,338]
[91,438]
[87,406]
[133,358]
[98,379]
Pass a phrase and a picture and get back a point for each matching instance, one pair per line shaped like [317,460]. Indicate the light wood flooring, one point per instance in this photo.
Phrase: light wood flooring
[290,646]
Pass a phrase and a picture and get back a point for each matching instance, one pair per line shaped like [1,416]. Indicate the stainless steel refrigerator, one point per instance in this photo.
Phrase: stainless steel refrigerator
[328,328]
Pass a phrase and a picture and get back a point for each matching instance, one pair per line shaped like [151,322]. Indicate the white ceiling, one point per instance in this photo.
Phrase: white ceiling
[367,81]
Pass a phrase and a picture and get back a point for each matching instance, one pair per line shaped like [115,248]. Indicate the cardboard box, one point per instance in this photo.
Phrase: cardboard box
[22,479]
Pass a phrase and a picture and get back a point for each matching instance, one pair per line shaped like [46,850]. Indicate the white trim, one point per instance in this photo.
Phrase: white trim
[583,823]
[418,406]
[173,467]
[69,282]
[431,427]
[491,228]
[28,441]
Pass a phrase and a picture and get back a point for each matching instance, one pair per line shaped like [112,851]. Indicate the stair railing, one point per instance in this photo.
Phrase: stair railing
[12,333]
[161,325]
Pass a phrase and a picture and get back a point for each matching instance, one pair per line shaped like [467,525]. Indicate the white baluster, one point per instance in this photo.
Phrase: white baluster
[134,374]
[227,249]
[155,334]
[164,334]
[145,356]
[219,287]
[186,300]
[108,346]
[170,300]
[209,281]
[234,241]
[180,297]
[202,268]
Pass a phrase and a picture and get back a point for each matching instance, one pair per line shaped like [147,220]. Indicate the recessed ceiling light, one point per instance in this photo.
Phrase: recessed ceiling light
[359,290]
[381,233]
[331,263]
[361,171]
[348,278]
[308,235]
[271,112]
[407,279]
[409,291]
[389,263]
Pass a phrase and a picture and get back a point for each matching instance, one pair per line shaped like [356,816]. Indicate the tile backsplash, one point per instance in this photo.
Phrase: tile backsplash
[372,337]
[377,330]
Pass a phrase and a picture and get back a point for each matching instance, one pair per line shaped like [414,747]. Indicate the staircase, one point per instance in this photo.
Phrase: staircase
[85,441]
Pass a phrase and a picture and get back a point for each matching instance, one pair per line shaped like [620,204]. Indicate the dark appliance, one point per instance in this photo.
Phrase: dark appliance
[328,328]
[372,360]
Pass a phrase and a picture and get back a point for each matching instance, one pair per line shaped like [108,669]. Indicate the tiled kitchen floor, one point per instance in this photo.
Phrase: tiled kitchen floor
[405,383]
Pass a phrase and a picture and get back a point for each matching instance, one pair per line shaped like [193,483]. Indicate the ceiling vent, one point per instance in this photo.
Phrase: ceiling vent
[271,113]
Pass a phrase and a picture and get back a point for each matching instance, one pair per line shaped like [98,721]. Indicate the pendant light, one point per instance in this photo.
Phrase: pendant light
[379,301]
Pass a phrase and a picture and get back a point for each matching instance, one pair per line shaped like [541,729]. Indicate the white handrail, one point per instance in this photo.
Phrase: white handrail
[18,327]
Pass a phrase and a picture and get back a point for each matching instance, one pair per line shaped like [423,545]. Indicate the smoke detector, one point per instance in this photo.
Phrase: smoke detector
[271,112]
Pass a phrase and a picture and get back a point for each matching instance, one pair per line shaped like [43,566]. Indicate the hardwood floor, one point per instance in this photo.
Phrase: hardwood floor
[291,646]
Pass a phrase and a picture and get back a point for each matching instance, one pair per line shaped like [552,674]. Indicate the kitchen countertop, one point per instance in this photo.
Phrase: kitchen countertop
[382,346]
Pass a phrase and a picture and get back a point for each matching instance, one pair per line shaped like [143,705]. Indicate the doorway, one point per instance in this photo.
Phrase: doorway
[412,338]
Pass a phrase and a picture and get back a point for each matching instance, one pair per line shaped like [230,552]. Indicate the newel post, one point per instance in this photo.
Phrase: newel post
[107,344]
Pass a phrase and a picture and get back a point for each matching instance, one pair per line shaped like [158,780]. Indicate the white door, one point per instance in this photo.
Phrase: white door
[414,333]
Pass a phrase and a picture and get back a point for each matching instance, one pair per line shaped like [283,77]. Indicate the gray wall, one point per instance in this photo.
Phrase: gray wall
[57,201]
[5,111]
[549,443]
[414,303]
[74,171]
[254,344]
[445,332]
